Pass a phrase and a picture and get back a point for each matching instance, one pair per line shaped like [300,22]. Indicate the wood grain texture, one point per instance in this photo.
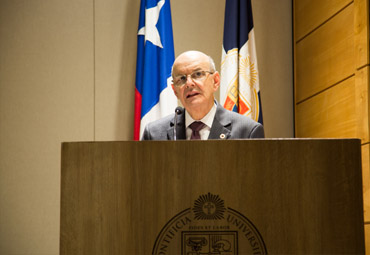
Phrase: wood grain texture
[367,238]
[304,196]
[366,181]
[320,63]
[362,103]
[361,32]
[309,14]
[326,56]
[332,113]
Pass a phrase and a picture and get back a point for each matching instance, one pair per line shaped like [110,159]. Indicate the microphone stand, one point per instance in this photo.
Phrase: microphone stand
[178,111]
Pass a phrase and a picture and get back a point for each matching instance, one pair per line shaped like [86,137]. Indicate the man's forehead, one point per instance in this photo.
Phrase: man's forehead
[190,62]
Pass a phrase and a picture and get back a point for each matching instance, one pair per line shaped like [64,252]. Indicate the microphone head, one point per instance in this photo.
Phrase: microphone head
[178,110]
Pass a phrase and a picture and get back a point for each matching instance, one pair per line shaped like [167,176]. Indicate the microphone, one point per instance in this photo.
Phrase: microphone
[178,111]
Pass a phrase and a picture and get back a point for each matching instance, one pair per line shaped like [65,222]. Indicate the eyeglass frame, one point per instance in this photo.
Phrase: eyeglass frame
[186,75]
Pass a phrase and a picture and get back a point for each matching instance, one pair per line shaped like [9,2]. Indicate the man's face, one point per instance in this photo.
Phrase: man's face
[195,95]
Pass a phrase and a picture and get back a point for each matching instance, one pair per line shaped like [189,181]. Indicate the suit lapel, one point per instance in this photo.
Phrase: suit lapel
[221,126]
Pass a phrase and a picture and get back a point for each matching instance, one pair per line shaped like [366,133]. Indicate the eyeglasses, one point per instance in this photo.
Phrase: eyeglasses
[180,80]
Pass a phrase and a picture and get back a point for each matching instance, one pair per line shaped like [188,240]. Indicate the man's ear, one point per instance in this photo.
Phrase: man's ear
[216,81]
[174,90]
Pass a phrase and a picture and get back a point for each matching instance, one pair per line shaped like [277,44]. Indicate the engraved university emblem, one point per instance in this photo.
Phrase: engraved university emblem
[209,228]
[209,207]
[209,243]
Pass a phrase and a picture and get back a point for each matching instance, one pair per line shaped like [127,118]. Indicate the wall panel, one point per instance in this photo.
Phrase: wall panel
[116,25]
[275,57]
[329,114]
[46,97]
[326,56]
[361,33]
[310,14]
[362,103]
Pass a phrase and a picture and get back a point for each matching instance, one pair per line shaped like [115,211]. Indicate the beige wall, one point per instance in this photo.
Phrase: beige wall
[67,71]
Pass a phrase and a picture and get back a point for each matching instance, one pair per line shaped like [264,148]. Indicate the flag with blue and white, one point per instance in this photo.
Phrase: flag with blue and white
[154,97]
[239,90]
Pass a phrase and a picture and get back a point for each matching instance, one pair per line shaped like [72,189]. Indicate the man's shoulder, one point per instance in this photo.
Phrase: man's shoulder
[157,130]
[242,126]
[165,121]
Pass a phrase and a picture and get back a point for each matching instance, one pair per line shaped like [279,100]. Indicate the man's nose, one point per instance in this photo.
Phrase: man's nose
[189,81]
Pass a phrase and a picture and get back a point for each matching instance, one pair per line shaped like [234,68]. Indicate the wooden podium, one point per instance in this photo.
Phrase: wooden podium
[273,196]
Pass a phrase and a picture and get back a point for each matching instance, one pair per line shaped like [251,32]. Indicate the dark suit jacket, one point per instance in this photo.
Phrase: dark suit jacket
[226,125]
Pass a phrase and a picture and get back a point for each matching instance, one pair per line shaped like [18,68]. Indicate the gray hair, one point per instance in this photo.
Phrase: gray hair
[212,66]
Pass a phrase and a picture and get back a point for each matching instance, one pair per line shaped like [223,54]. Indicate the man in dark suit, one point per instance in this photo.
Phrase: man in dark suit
[195,80]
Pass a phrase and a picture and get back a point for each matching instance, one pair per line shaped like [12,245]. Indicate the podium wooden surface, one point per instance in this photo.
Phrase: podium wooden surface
[269,196]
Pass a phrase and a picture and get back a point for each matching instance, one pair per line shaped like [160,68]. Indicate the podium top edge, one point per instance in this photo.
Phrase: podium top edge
[222,141]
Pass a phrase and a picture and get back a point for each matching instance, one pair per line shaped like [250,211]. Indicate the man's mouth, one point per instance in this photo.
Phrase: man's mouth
[192,94]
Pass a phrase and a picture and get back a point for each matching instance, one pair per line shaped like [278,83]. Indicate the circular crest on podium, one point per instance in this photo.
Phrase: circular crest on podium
[209,228]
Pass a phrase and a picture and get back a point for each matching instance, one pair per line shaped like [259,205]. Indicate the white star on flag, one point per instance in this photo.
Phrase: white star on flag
[150,30]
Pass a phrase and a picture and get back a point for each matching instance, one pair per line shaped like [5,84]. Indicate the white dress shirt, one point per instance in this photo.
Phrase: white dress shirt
[207,120]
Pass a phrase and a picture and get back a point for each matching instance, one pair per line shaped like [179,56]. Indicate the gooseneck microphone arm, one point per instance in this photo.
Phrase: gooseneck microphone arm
[178,111]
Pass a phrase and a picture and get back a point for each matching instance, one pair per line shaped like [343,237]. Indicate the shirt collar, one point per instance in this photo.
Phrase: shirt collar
[208,119]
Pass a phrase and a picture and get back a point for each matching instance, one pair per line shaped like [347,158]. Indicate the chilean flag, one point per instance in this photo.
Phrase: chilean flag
[154,97]
[239,90]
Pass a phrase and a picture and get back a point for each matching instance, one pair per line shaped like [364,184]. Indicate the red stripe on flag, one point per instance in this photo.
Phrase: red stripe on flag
[229,104]
[243,107]
[137,117]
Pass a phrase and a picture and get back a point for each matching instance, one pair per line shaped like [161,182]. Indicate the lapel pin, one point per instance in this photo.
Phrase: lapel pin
[222,136]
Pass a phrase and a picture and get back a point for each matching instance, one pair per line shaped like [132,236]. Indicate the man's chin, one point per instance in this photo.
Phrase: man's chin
[194,101]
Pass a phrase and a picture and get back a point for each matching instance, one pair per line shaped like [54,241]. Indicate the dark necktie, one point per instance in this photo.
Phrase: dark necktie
[196,126]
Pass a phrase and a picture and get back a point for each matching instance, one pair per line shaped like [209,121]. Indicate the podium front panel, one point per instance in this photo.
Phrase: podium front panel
[212,197]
